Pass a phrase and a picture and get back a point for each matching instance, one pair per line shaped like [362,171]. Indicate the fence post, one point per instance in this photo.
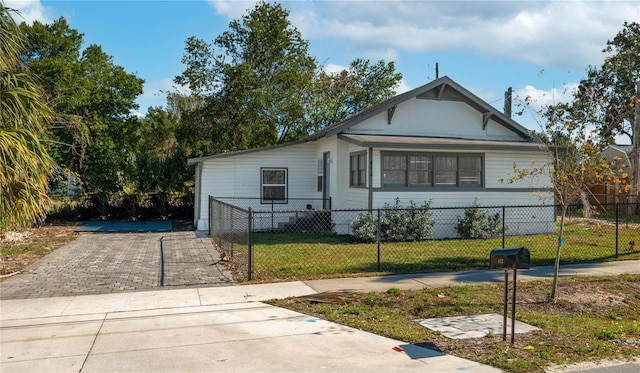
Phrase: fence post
[617,225]
[233,238]
[250,243]
[378,238]
[220,233]
[503,225]
[210,215]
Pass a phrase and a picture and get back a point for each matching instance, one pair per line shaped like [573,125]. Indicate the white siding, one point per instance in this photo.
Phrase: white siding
[239,176]
[422,117]
[499,166]
[519,221]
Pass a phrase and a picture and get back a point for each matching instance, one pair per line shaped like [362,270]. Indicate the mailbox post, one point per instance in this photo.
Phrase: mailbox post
[514,259]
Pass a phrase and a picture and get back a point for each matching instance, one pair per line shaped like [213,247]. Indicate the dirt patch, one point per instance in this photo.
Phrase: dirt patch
[21,248]
[593,319]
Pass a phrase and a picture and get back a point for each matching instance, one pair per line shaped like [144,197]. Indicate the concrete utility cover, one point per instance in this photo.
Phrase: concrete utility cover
[477,326]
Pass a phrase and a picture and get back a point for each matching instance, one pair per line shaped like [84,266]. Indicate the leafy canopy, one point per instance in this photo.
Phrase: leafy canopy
[256,85]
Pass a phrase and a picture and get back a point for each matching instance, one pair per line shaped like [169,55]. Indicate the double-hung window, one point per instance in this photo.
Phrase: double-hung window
[273,186]
[414,170]
[358,170]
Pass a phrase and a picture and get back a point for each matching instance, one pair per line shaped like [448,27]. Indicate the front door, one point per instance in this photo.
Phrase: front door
[325,180]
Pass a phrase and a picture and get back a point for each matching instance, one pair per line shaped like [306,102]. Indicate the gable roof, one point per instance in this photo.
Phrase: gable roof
[444,89]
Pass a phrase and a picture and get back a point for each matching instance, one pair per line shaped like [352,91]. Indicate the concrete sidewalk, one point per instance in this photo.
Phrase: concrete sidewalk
[196,330]
[225,329]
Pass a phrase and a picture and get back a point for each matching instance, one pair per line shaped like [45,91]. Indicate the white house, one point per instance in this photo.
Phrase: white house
[437,142]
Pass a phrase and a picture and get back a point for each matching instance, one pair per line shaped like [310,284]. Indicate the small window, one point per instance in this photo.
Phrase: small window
[470,171]
[446,170]
[274,185]
[358,170]
[420,170]
[394,170]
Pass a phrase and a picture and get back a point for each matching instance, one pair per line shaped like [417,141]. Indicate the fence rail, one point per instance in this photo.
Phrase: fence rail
[307,243]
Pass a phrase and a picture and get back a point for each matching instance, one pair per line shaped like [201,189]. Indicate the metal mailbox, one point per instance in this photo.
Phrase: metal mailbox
[516,258]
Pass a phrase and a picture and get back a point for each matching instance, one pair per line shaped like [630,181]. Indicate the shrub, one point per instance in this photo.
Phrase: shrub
[396,223]
[477,223]
[420,222]
[364,228]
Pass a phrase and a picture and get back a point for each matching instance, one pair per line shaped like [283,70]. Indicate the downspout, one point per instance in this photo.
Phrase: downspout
[198,197]
[370,186]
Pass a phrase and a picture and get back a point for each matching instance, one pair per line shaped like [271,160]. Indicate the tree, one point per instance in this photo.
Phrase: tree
[335,96]
[25,165]
[607,98]
[94,135]
[253,77]
[256,85]
[573,167]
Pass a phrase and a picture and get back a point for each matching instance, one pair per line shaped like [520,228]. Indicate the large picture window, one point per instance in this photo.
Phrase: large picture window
[274,185]
[431,170]
[358,170]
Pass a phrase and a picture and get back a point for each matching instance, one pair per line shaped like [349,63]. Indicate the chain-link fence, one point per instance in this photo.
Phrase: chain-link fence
[303,244]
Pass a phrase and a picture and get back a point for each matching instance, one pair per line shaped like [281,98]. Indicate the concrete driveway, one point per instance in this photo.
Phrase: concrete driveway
[121,262]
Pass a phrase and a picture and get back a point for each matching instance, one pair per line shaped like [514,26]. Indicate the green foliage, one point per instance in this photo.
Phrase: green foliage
[419,221]
[396,223]
[94,135]
[25,164]
[252,80]
[365,228]
[476,223]
[393,291]
[335,96]
[257,85]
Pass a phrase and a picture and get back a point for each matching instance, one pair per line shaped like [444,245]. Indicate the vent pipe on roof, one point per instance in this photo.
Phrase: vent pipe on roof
[507,102]
[437,71]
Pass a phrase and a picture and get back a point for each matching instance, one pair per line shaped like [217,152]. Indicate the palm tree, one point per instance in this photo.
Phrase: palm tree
[25,165]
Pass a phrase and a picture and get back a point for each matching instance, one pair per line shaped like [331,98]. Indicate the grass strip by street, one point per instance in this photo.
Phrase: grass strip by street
[302,256]
[594,318]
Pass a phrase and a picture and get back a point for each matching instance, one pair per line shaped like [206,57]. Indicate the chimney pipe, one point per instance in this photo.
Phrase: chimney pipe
[507,102]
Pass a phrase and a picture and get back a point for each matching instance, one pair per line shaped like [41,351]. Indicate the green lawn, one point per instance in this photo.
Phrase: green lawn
[297,256]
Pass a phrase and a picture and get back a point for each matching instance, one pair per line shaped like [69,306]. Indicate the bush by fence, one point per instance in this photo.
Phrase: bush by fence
[294,245]
[135,206]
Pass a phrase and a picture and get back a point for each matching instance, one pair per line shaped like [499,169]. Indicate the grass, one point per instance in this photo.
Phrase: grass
[594,319]
[33,244]
[299,256]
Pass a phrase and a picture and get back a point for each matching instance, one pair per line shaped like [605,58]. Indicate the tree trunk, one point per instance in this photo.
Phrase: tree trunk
[635,154]
[586,205]
[556,268]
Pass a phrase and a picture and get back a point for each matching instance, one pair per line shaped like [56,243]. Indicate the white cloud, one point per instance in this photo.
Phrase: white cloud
[567,34]
[232,9]
[532,100]
[29,11]
[159,89]
[333,68]
[403,87]
[155,94]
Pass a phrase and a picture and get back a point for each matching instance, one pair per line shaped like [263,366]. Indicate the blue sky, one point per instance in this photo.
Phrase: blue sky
[540,48]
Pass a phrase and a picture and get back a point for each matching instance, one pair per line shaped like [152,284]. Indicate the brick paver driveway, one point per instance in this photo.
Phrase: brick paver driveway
[119,262]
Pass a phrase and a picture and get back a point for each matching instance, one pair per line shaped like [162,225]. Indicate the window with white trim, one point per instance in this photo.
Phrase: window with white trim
[273,186]
[414,170]
[358,170]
